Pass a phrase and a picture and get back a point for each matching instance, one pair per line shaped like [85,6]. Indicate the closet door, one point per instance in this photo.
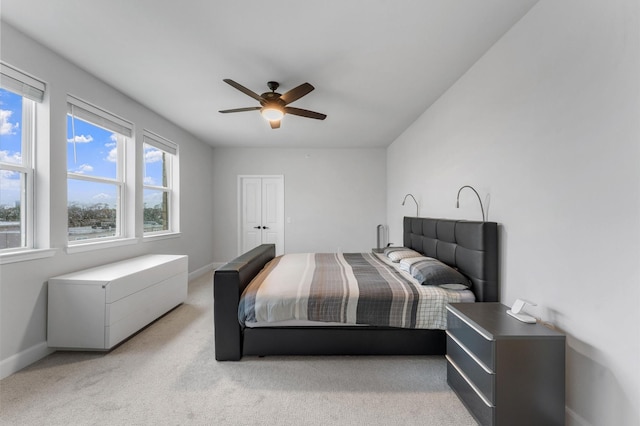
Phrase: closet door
[250,213]
[261,210]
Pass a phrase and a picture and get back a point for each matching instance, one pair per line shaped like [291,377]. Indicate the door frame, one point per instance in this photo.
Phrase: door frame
[239,207]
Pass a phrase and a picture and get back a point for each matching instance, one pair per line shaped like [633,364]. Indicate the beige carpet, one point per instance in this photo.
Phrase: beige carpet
[167,375]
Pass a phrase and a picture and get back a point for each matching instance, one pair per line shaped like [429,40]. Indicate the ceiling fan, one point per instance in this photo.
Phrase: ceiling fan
[273,105]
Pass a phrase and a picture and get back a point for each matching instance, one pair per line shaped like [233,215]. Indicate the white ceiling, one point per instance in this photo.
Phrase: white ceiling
[376,64]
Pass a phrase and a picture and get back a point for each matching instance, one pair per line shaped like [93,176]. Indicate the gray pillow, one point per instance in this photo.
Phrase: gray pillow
[429,271]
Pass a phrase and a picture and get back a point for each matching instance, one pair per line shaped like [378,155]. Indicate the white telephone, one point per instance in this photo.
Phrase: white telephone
[517,313]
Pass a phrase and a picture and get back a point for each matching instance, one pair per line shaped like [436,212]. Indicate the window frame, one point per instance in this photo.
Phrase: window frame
[123,129]
[31,90]
[170,151]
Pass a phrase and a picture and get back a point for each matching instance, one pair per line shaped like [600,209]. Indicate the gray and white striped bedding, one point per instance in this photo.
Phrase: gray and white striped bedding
[350,288]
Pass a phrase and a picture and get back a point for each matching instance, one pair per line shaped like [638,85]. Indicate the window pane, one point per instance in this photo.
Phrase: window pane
[95,151]
[10,127]
[155,166]
[156,210]
[11,201]
[92,208]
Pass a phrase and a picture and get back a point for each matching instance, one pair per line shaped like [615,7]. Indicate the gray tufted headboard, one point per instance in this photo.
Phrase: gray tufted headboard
[471,247]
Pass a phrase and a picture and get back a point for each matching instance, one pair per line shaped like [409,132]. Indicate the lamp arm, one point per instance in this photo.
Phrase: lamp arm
[414,200]
[477,195]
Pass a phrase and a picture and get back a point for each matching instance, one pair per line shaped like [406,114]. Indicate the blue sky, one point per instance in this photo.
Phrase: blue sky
[94,153]
[10,145]
[11,119]
[95,149]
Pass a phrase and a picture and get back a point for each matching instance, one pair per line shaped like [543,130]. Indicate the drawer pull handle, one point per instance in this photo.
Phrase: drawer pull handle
[476,329]
[471,354]
[470,383]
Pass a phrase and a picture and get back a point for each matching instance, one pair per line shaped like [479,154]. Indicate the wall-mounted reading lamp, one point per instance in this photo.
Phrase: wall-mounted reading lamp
[478,195]
[414,200]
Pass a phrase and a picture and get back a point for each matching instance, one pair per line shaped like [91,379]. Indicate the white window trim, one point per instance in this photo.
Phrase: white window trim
[99,244]
[124,130]
[150,237]
[170,148]
[24,254]
[27,152]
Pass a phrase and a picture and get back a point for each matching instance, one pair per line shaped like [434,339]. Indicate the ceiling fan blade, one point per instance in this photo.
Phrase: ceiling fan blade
[296,93]
[275,124]
[240,109]
[304,113]
[243,89]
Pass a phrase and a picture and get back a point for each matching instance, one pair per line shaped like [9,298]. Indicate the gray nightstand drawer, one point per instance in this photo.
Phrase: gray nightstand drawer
[484,380]
[482,347]
[483,413]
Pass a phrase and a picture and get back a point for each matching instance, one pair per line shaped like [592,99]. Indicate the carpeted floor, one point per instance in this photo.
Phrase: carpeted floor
[167,375]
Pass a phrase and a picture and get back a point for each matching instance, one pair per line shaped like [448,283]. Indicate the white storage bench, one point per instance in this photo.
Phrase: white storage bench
[97,308]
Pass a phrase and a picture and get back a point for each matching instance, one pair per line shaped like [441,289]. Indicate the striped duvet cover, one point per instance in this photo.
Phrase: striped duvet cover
[350,288]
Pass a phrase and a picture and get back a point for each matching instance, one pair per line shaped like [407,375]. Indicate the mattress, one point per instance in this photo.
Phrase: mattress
[314,289]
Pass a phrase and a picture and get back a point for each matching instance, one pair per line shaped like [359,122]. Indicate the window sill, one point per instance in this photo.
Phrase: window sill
[25,255]
[98,245]
[164,236]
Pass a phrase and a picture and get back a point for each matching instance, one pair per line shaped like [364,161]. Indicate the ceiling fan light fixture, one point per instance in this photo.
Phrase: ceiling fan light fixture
[272,112]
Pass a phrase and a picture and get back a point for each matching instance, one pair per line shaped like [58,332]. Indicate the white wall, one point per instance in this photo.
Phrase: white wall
[334,197]
[23,289]
[547,124]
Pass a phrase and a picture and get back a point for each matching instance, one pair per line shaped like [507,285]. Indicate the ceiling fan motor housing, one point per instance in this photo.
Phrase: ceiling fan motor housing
[271,98]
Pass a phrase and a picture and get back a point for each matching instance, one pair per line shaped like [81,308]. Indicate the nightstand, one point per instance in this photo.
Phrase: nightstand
[505,372]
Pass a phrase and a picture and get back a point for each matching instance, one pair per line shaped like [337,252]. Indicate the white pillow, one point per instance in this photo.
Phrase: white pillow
[405,264]
[397,255]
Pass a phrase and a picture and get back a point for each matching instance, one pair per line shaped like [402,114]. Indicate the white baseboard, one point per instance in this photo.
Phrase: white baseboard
[201,271]
[22,359]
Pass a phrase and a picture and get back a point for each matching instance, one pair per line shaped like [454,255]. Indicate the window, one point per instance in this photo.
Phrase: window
[159,213]
[96,175]
[18,94]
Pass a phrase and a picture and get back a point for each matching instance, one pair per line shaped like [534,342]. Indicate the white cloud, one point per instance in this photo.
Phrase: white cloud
[6,127]
[8,174]
[15,158]
[148,180]
[102,196]
[110,144]
[152,155]
[81,139]
[113,155]
[85,168]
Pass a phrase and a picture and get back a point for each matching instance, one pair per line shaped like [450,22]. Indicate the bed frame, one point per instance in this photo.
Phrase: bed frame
[471,247]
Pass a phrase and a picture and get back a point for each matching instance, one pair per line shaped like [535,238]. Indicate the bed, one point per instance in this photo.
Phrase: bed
[469,247]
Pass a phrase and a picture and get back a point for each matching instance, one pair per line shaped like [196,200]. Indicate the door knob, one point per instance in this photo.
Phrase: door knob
[265,227]
[257,227]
